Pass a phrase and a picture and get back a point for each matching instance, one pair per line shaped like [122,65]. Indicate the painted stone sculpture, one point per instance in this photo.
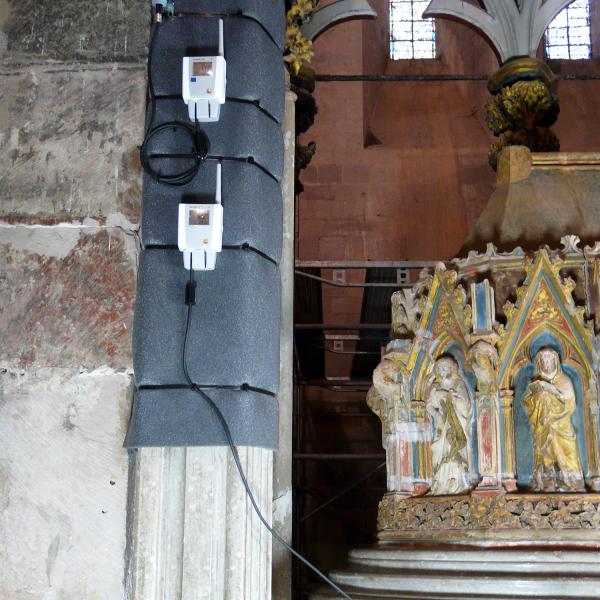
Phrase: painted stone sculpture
[450,408]
[550,405]
[489,403]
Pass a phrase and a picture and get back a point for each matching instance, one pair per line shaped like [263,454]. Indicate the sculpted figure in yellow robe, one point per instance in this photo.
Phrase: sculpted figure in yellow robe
[550,404]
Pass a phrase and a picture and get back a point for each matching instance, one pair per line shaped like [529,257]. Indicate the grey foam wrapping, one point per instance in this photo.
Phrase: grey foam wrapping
[234,330]
[181,417]
[242,132]
[252,207]
[255,70]
[269,13]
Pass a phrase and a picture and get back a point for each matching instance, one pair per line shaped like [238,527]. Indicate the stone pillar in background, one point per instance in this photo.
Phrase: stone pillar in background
[282,475]
[523,105]
[193,532]
[422,468]
[69,201]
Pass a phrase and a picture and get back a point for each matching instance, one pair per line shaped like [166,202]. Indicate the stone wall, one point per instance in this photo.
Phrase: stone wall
[72,96]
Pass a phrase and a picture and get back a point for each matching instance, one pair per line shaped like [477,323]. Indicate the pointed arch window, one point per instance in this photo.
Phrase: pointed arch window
[569,34]
[411,36]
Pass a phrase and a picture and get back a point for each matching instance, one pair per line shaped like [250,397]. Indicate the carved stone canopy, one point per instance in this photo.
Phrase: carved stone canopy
[537,198]
[516,408]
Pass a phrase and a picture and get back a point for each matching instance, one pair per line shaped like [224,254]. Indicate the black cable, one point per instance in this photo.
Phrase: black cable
[217,412]
[199,141]
[198,153]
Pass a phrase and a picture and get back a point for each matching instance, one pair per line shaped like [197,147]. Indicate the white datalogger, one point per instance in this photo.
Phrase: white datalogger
[203,84]
[200,232]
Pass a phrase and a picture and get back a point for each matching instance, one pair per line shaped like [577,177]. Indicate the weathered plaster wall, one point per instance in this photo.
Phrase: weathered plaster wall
[63,483]
[112,30]
[68,137]
[69,203]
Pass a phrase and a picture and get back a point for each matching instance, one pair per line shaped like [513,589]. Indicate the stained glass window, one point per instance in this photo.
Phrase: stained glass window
[410,35]
[568,36]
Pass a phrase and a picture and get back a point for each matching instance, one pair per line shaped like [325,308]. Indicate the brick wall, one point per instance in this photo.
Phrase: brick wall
[414,195]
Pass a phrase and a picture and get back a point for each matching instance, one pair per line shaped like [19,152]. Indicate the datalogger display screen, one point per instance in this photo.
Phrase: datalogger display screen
[202,68]
[199,216]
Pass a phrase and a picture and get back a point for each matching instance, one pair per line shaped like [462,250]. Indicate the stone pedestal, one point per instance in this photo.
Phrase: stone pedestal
[438,572]
[539,197]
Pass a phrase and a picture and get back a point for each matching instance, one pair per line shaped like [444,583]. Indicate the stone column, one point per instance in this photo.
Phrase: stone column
[594,437]
[282,476]
[488,440]
[508,469]
[422,440]
[400,458]
[192,532]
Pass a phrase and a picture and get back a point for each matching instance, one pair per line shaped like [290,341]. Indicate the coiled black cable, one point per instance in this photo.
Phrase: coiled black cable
[197,155]
[200,143]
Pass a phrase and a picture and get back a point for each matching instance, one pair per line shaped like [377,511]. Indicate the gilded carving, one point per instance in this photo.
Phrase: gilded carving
[509,309]
[521,114]
[445,321]
[484,361]
[452,315]
[550,404]
[388,400]
[450,407]
[543,309]
[398,515]
[385,397]
[544,299]
[298,49]
[377,404]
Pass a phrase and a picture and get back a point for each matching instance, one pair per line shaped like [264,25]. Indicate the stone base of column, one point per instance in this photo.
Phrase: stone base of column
[193,534]
[449,572]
